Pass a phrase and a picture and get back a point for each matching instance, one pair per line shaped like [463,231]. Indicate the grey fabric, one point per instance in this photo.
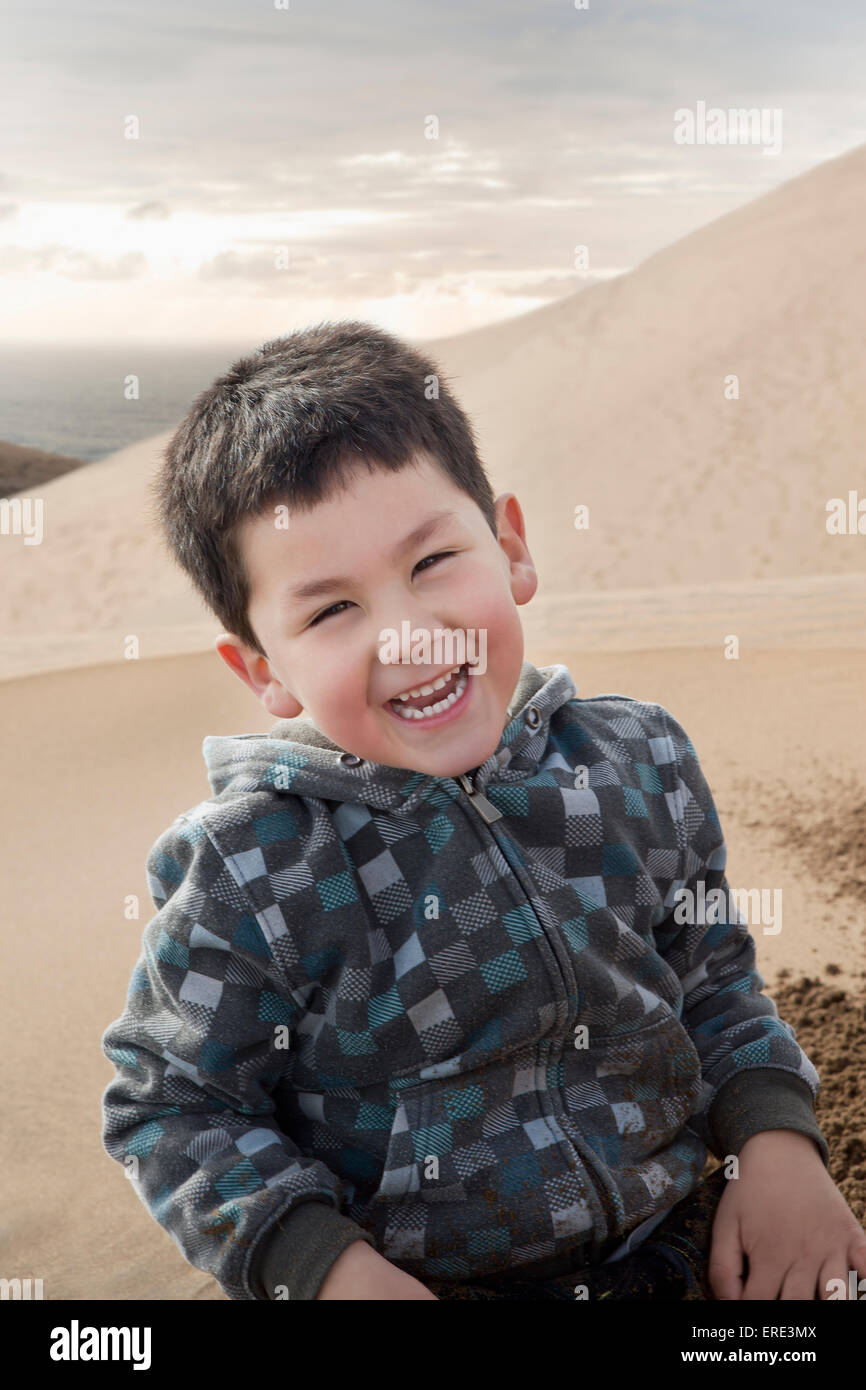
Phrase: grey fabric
[298,1254]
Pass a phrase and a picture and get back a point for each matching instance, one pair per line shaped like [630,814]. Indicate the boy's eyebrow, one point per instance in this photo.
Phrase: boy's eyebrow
[314,588]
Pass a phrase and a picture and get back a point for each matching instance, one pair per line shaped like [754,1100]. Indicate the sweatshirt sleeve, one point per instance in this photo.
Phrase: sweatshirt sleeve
[755,1074]
[197,1053]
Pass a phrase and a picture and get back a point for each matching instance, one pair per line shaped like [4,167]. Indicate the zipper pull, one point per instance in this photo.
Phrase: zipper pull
[485,808]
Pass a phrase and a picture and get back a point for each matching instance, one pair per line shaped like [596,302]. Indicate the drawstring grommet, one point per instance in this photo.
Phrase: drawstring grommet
[533,717]
[350,759]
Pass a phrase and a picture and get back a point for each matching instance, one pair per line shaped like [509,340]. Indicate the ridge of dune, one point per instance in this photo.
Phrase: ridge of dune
[832,189]
[812,612]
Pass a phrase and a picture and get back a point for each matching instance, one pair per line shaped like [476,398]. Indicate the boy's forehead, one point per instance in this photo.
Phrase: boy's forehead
[397,502]
[422,485]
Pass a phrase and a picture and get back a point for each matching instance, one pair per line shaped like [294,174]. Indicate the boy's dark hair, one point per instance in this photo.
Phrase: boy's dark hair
[284,424]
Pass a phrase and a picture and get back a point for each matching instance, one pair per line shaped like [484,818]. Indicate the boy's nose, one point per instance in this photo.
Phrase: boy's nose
[403,627]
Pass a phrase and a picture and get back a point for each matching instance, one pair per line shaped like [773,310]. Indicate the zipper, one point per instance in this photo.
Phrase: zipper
[488,813]
[486,810]
[584,1151]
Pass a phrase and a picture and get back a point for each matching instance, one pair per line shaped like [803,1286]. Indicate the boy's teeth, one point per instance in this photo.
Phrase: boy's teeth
[428,689]
[427,710]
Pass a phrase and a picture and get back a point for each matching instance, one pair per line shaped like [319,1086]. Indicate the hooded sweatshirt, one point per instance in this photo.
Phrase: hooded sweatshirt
[467,1020]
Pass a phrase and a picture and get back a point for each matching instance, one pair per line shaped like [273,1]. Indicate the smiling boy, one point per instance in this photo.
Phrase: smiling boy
[325,642]
[414,1006]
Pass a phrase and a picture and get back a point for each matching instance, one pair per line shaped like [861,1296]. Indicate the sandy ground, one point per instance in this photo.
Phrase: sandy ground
[105,757]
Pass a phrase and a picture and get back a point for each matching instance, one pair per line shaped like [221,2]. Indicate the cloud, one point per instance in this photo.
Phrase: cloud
[231,265]
[71,264]
[555,130]
[132,265]
[154,210]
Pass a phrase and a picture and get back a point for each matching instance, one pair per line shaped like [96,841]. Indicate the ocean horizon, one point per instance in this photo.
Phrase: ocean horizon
[70,399]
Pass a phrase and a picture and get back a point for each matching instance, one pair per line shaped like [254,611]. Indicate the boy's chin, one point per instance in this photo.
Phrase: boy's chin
[452,764]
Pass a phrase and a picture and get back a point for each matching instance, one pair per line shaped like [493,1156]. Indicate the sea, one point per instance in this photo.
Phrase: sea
[73,400]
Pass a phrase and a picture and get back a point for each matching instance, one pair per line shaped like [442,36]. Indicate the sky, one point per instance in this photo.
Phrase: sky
[225,172]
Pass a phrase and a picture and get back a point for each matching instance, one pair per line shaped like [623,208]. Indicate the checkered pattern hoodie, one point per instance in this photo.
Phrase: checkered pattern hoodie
[453,1017]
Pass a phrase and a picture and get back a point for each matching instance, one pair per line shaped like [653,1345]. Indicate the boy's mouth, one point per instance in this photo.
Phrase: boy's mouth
[433,697]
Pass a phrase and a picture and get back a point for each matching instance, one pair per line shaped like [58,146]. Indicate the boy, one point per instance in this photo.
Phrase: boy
[419,1002]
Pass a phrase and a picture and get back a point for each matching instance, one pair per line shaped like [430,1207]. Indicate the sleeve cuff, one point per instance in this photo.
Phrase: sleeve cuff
[300,1248]
[763,1098]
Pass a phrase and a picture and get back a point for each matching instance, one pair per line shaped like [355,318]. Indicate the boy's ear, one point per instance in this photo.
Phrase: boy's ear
[255,672]
[511,530]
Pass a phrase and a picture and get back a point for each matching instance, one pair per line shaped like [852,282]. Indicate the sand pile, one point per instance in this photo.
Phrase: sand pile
[831,1028]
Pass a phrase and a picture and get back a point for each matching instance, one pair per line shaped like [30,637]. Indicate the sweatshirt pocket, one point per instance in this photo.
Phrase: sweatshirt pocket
[479,1176]
[629,1096]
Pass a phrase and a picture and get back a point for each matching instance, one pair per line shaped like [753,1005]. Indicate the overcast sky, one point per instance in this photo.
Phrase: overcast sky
[283,171]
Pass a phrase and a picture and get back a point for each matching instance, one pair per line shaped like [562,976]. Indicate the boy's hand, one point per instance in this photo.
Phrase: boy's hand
[788,1216]
[361,1272]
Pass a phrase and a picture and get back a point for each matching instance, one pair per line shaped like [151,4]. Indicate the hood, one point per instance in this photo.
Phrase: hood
[296,757]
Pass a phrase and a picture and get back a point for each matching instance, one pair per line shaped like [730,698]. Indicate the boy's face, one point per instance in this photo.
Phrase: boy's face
[328,660]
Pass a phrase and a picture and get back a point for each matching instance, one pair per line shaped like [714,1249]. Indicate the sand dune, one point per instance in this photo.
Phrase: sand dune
[614,398]
[100,566]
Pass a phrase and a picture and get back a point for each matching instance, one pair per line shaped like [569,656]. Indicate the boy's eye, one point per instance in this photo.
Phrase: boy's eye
[325,611]
[441,555]
[335,607]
